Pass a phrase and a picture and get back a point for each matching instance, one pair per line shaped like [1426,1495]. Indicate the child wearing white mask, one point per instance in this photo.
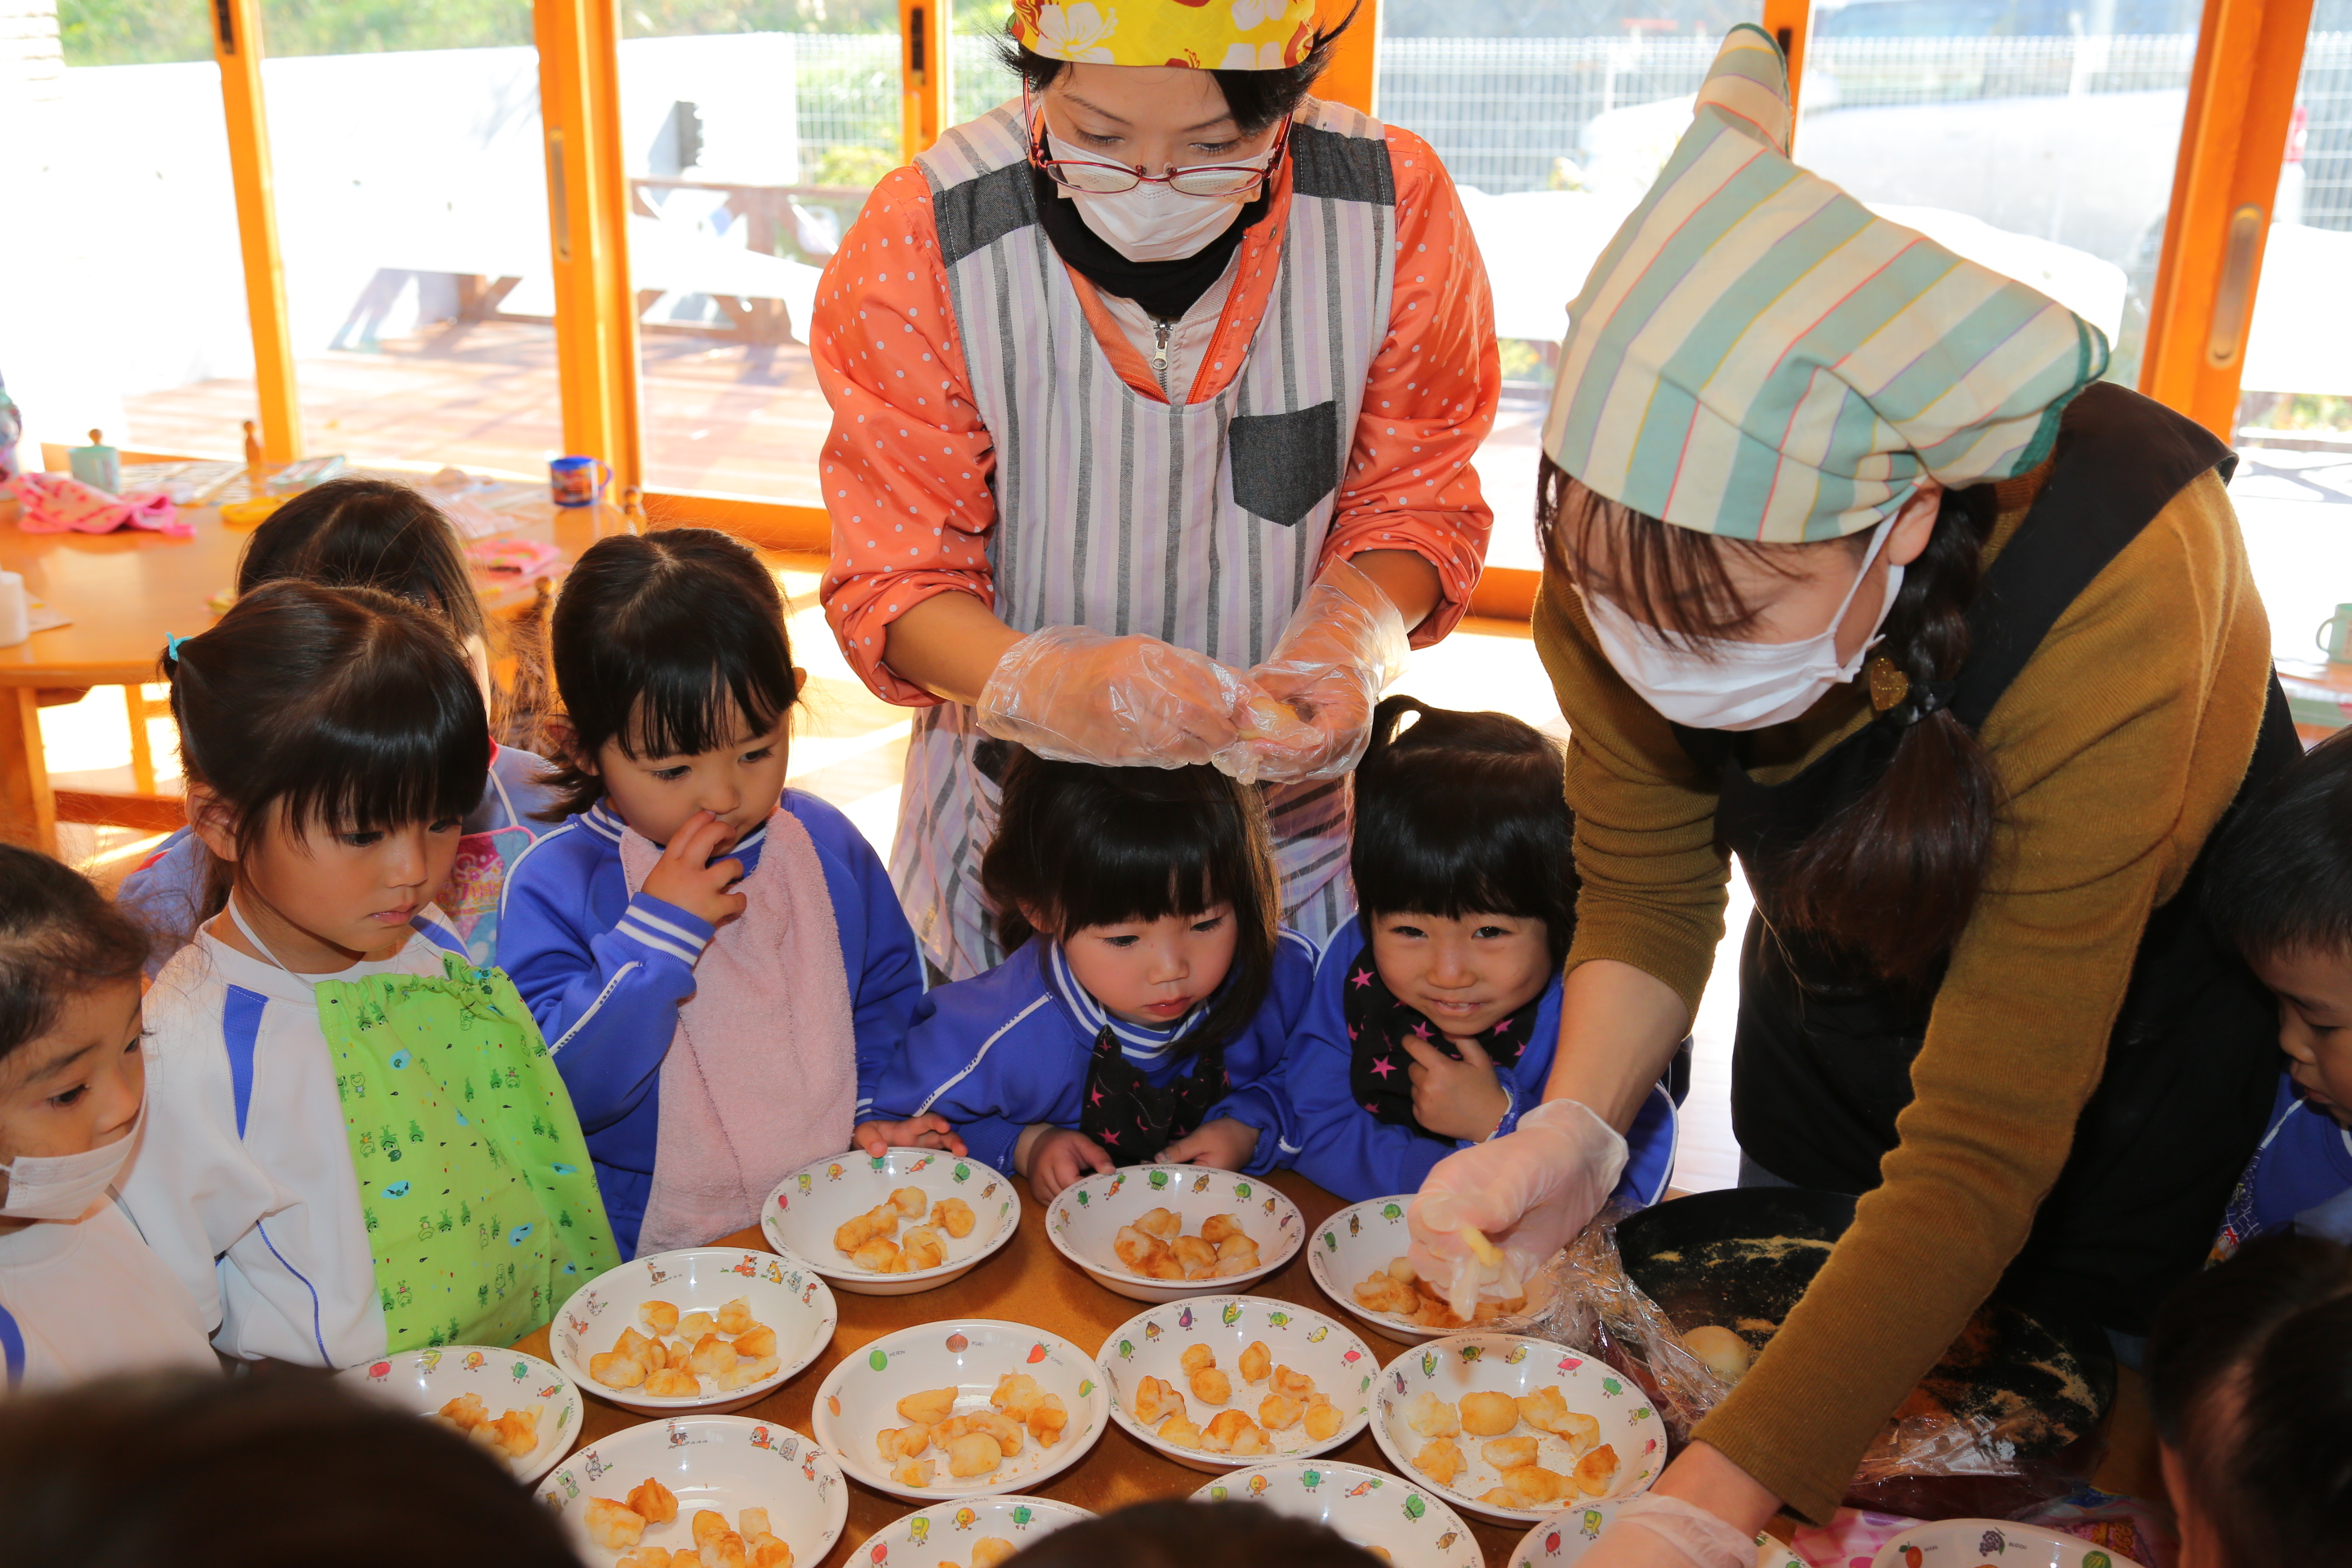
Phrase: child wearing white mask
[80,1294]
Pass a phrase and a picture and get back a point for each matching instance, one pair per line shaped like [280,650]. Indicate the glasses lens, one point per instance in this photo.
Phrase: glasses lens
[1215,181]
[1101,179]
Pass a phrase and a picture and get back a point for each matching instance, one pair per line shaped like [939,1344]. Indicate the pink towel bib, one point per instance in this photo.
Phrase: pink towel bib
[761,1076]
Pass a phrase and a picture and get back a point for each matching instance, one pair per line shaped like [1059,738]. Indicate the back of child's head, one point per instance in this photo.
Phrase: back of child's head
[272,1470]
[59,936]
[1460,814]
[1081,846]
[2280,879]
[1181,1534]
[668,644]
[366,534]
[344,707]
[2250,1372]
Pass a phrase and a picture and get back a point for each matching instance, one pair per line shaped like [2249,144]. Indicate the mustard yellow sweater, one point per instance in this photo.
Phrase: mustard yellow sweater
[2119,745]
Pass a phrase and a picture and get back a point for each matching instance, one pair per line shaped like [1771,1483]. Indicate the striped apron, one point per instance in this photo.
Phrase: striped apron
[1201,524]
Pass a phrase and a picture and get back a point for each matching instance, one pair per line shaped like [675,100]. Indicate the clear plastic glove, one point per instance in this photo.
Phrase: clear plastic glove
[1079,695]
[1343,646]
[1528,1192]
[1654,1532]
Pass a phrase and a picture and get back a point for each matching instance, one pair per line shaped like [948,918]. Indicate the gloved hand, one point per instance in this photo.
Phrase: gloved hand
[1530,1190]
[1345,642]
[1654,1532]
[1079,695]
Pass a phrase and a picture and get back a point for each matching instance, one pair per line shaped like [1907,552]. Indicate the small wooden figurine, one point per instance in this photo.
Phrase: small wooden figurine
[254,470]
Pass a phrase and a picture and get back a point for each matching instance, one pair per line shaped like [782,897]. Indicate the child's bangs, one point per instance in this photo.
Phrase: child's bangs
[1137,866]
[412,759]
[684,711]
[1467,868]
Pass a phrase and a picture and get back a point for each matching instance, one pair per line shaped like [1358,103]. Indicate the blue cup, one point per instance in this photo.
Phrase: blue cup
[578,481]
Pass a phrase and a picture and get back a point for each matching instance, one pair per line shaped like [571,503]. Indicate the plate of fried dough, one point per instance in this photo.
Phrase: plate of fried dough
[701,1491]
[1161,1233]
[1357,1258]
[968,1532]
[1516,1428]
[1218,1381]
[912,1220]
[704,1328]
[517,1406]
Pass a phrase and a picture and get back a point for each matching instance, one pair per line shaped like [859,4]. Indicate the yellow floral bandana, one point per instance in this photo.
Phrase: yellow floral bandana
[1207,35]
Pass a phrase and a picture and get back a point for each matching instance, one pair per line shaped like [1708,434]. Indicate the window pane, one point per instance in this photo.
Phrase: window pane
[981,82]
[1554,118]
[2031,137]
[752,135]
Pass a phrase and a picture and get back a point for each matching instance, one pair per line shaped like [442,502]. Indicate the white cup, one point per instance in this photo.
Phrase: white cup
[16,614]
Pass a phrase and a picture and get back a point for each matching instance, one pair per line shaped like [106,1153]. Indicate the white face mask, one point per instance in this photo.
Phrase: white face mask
[1737,685]
[63,1186]
[1154,222]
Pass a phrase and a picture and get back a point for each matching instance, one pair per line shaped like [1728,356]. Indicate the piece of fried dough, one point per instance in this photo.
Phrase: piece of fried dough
[708,1525]
[879,1255]
[1197,1358]
[1211,1386]
[1440,1459]
[768,1551]
[668,1383]
[1432,1417]
[989,1550]
[1597,1471]
[954,1215]
[928,1407]
[693,1325]
[902,1442]
[743,1374]
[655,1501]
[660,1317]
[1165,1224]
[516,1432]
[909,1201]
[1535,1485]
[1323,1420]
[1278,1413]
[1194,1253]
[1510,1453]
[1290,1384]
[735,1317]
[1179,1433]
[616,1371]
[912,1473]
[711,1355]
[1379,1293]
[1007,1433]
[1218,1228]
[1137,1250]
[755,1342]
[613,1526]
[973,1454]
[1047,1419]
[466,1411]
[1220,1434]
[1256,1363]
[1155,1400]
[1016,1393]
[1486,1415]
[924,1247]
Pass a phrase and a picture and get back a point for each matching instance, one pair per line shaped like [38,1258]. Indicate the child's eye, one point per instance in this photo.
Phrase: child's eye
[446,824]
[670,776]
[1491,931]
[762,755]
[1212,923]
[70,1096]
[1215,149]
[365,839]
[1120,942]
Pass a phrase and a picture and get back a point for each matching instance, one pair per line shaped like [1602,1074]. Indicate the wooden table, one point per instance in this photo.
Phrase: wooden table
[125,591]
[1029,1282]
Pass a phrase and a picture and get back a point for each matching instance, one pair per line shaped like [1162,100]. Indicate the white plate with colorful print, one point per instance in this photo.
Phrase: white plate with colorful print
[724,1463]
[1569,1534]
[809,1206]
[860,1398]
[784,1293]
[1360,1241]
[1403,1523]
[1085,1219]
[1995,1543]
[503,1379]
[944,1536]
[1514,1365]
[1152,1344]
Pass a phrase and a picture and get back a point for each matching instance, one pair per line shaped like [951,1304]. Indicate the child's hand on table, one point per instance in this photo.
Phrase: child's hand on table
[681,876]
[1225,1143]
[1054,1157]
[925,1132]
[1453,1099]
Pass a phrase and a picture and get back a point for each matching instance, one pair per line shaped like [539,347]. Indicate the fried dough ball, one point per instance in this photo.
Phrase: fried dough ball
[1379,1293]
[616,1371]
[1440,1459]
[929,1407]
[880,1255]
[1179,1433]
[1291,1384]
[1137,1250]
[1252,1442]
[1155,1400]
[1016,1393]
[1497,1496]
[516,1432]
[1194,1253]
[1211,1386]
[658,1316]
[954,1215]
[1225,1434]
[1236,1246]
[1256,1363]
[709,1524]
[672,1384]
[1488,1414]
[1324,1420]
[1434,1314]
[466,1411]
[953,1428]
[1219,1227]
[743,1374]
[711,1355]
[1164,1267]
[752,1523]
[755,1342]
[1277,1413]
[655,1502]
[1165,1224]
[1534,1486]
[1597,1471]
[693,1325]
[924,1247]
[1546,1411]
[912,1473]
[1432,1417]
[909,1201]
[988,1551]
[735,1317]
[768,1551]
[853,1233]
[1234,1268]
[652,1557]
[611,1525]
[726,1551]
[902,1442]
[1047,1419]
[1197,1358]
[1726,1353]
[632,1345]
[1510,1453]
[1006,1431]
[973,1454]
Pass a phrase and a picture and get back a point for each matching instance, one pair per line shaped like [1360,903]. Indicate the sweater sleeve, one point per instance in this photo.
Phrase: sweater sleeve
[606,1001]
[978,1053]
[885,975]
[1429,397]
[2118,748]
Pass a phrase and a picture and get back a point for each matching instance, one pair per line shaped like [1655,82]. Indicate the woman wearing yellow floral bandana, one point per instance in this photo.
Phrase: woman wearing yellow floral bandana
[1154,396]
[1856,571]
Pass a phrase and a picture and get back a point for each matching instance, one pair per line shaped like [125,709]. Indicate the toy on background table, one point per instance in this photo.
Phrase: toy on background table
[513,559]
[255,470]
[98,465]
[632,508]
[252,509]
[577,481]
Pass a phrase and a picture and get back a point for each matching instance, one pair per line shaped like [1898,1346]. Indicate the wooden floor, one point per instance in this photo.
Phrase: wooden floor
[740,419]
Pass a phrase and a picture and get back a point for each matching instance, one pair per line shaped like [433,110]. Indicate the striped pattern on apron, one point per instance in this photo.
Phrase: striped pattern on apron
[1201,524]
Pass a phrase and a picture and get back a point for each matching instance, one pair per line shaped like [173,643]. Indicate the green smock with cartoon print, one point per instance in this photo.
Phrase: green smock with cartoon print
[481,1205]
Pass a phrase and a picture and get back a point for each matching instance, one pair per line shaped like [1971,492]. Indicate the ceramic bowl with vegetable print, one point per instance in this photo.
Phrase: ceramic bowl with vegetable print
[912,1220]
[1516,1428]
[1993,1543]
[1217,1381]
[971,1532]
[640,1490]
[1396,1522]
[1142,1231]
[705,1328]
[498,1397]
[962,1407]
[1569,1534]
[1357,1258]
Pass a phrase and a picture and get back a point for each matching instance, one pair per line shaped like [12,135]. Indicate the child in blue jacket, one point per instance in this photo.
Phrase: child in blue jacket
[1143,1012]
[719,964]
[1436,1010]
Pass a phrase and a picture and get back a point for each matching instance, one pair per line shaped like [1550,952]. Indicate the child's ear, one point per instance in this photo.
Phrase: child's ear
[215,825]
[799,682]
[564,736]
[1036,918]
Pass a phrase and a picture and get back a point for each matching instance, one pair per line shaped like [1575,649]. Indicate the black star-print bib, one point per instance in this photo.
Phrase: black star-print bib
[1134,1119]
[1379,1066]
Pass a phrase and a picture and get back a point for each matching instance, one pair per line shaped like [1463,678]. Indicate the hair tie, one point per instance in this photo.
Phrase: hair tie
[1900,701]
[172,641]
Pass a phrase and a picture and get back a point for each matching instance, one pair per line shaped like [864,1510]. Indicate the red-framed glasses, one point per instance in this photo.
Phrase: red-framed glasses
[1097,177]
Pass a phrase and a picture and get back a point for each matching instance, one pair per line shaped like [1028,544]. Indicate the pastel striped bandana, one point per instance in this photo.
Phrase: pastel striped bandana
[1756,355]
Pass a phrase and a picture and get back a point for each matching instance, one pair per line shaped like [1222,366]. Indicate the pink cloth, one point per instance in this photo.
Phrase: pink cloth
[55,503]
[761,1076]
[1849,1540]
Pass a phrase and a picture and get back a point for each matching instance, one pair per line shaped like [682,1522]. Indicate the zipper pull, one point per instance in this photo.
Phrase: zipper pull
[1160,348]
